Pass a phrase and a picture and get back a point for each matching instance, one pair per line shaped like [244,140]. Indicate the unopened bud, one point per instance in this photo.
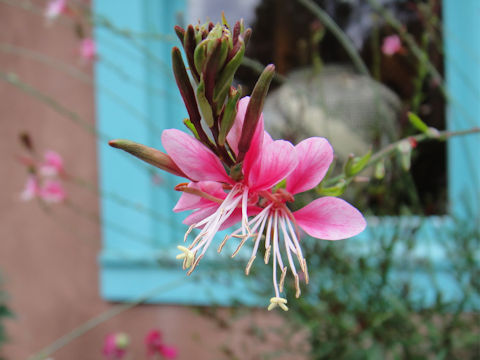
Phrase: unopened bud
[254,110]
[150,155]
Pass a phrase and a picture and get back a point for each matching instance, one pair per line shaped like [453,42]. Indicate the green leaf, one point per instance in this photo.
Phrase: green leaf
[417,122]
[226,76]
[191,127]
[228,117]
[204,105]
[335,190]
[355,165]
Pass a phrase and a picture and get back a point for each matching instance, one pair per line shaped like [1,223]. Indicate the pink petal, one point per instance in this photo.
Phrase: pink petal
[233,137]
[190,201]
[52,191]
[200,214]
[55,8]
[192,157]
[314,158]
[52,165]
[391,45]
[88,49]
[169,352]
[330,218]
[31,189]
[235,133]
[277,160]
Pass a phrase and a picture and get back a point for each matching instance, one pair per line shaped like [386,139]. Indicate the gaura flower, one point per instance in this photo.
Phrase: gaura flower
[391,45]
[44,179]
[327,218]
[155,346]
[115,346]
[260,170]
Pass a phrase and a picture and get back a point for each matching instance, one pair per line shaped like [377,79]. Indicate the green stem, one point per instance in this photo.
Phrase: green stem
[347,44]
[386,151]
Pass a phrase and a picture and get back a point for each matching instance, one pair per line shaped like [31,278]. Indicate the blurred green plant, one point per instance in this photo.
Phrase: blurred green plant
[5,313]
[374,303]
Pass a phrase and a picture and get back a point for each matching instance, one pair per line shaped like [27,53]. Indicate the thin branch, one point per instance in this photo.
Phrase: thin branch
[347,44]
[387,150]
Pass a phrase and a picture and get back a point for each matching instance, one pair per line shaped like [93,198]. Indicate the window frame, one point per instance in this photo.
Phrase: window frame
[129,272]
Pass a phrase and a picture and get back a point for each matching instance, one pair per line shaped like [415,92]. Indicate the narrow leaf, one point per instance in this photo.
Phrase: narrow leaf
[417,122]
[204,105]
[228,117]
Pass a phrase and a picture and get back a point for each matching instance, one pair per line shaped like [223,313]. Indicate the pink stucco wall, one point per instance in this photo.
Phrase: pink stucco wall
[48,256]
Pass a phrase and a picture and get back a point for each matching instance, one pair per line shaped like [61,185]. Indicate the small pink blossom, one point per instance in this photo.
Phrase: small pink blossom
[31,189]
[115,346]
[52,191]
[391,45]
[155,346]
[88,49]
[55,8]
[52,165]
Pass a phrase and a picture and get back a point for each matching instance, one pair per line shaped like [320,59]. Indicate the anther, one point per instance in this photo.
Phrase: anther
[194,265]
[305,271]
[282,278]
[225,239]
[245,238]
[297,286]
[267,254]
[249,265]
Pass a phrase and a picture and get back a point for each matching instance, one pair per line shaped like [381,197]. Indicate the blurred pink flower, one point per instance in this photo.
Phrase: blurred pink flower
[52,191]
[52,165]
[88,49]
[31,189]
[55,8]
[155,345]
[115,346]
[391,45]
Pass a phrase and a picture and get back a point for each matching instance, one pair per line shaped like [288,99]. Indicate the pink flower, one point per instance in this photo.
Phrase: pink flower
[327,218]
[88,49]
[115,346]
[31,189]
[55,8]
[155,346]
[391,45]
[220,199]
[52,191]
[266,163]
[52,165]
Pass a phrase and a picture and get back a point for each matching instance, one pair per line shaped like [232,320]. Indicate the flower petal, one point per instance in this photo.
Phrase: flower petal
[233,136]
[277,160]
[191,201]
[202,213]
[192,157]
[330,218]
[315,155]
[235,133]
